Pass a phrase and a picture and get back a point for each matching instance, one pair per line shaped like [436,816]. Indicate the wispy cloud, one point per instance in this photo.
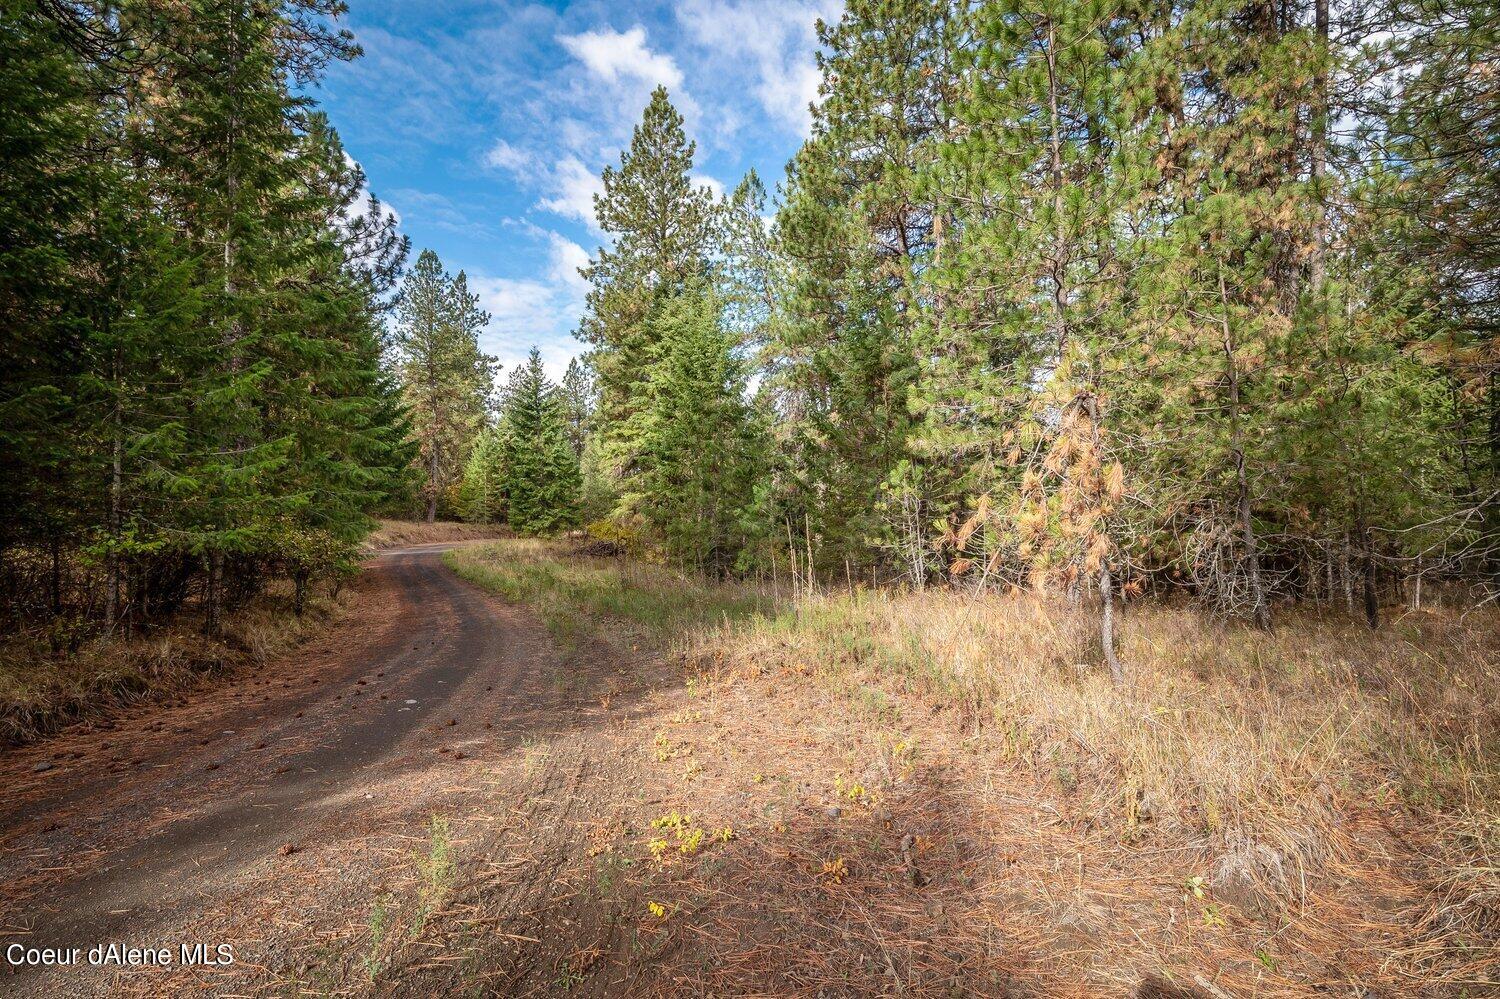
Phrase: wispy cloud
[574,186]
[487,126]
[776,37]
[535,311]
[613,55]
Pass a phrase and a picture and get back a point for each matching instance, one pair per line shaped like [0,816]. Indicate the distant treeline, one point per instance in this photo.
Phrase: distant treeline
[191,276]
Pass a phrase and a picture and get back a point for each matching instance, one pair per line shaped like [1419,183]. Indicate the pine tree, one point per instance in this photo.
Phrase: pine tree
[855,229]
[447,380]
[578,400]
[481,496]
[226,410]
[661,227]
[1033,343]
[1436,212]
[541,476]
[45,189]
[697,451]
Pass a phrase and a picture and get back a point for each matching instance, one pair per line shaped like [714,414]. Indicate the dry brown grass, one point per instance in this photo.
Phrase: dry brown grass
[1220,728]
[400,533]
[41,693]
[934,796]
[1317,769]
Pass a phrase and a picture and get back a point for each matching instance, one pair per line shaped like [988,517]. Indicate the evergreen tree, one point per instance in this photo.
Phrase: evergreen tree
[446,379]
[481,496]
[855,230]
[1435,212]
[661,227]
[541,476]
[225,410]
[578,400]
[697,452]
[45,188]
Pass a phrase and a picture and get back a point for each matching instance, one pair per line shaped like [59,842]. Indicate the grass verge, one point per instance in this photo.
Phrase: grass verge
[571,592]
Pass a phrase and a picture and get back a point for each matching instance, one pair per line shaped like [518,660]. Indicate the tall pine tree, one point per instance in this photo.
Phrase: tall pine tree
[540,472]
[446,379]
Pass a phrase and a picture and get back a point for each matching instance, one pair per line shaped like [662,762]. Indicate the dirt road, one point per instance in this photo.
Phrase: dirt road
[153,833]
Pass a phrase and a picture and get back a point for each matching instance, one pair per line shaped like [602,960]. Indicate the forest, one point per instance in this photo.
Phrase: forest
[1109,299]
[1044,543]
[1105,298]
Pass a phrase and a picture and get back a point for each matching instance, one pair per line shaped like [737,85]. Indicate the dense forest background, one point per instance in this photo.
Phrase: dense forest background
[1102,297]
[1098,297]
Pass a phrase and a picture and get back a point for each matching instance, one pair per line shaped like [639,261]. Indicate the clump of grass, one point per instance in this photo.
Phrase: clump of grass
[437,869]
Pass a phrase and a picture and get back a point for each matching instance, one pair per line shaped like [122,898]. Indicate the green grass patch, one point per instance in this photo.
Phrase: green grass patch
[571,591]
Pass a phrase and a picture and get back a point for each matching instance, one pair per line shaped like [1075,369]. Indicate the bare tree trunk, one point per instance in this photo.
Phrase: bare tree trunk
[1058,263]
[1107,625]
[213,609]
[1372,600]
[112,585]
[1318,269]
[1328,589]
[1490,511]
[1347,571]
[1260,613]
[214,594]
[56,581]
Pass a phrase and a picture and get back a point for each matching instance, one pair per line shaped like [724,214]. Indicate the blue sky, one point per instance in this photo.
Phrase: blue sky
[484,125]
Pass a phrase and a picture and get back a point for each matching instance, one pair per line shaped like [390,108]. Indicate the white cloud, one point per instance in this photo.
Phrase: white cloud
[620,71]
[613,55]
[567,258]
[540,312]
[714,185]
[567,185]
[776,37]
[505,156]
[360,206]
[573,188]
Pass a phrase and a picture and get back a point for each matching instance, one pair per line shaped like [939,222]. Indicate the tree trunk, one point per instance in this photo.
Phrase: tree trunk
[112,586]
[1372,600]
[1490,511]
[1346,572]
[213,615]
[213,597]
[1318,266]
[56,581]
[1107,625]
[1259,612]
